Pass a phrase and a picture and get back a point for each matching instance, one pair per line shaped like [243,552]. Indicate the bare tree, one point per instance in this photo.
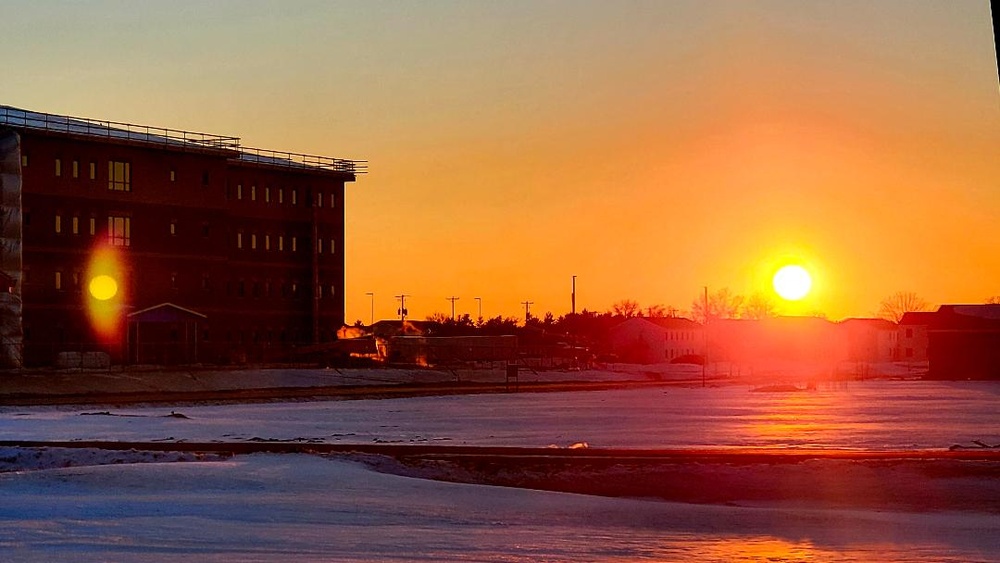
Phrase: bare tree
[993,300]
[625,308]
[893,308]
[656,312]
[758,306]
[721,305]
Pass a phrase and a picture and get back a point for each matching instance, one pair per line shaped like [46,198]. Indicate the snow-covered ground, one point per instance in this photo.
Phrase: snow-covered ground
[106,506]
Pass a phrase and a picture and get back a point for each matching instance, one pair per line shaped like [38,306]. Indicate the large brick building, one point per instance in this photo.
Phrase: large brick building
[225,252]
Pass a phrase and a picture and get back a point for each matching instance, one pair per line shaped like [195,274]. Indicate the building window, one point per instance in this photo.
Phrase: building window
[332,293]
[93,226]
[173,228]
[331,249]
[267,242]
[173,175]
[204,178]
[267,194]
[58,223]
[76,280]
[206,282]
[119,231]
[909,352]
[241,288]
[173,280]
[253,241]
[909,333]
[319,246]
[24,161]
[204,230]
[319,291]
[76,168]
[239,191]
[93,170]
[76,225]
[58,167]
[58,279]
[319,199]
[281,243]
[294,244]
[253,192]
[119,176]
[239,239]
[295,197]
[281,196]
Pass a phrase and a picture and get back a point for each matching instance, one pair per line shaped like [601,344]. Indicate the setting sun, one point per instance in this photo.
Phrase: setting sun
[792,282]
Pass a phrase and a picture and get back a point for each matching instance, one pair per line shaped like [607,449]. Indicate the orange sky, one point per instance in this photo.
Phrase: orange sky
[649,148]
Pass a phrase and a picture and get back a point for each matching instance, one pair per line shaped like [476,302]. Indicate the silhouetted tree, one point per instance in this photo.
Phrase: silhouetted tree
[758,306]
[893,308]
[656,312]
[721,305]
[626,308]
[993,300]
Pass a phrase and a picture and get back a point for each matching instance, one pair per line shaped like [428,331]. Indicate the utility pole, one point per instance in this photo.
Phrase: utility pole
[480,300]
[402,307]
[527,314]
[572,309]
[453,299]
[704,356]
[372,295]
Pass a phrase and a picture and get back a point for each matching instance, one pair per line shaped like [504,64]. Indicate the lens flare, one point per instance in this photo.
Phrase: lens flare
[103,287]
[105,300]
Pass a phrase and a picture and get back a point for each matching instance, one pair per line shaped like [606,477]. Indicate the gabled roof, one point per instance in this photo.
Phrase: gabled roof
[165,313]
[917,318]
[663,323]
[877,324]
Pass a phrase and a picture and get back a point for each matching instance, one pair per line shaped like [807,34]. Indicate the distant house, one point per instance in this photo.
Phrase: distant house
[964,342]
[870,340]
[655,340]
[912,335]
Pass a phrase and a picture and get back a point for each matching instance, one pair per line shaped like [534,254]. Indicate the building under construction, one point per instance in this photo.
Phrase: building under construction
[213,252]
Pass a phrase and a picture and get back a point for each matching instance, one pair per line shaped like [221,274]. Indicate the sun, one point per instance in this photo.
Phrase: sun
[792,282]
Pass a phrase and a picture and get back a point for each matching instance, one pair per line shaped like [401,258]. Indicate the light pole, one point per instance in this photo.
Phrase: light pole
[572,309]
[480,300]
[372,295]
[453,299]
[527,313]
[402,307]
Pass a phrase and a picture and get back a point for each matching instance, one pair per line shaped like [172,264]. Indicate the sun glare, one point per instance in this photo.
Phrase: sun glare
[103,287]
[792,282]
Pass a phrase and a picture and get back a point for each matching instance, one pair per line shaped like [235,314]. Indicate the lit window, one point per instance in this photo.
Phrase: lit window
[76,280]
[173,227]
[281,243]
[239,191]
[76,168]
[294,245]
[253,241]
[119,176]
[319,292]
[58,223]
[295,197]
[253,192]
[267,242]
[319,246]
[332,245]
[58,167]
[281,195]
[93,170]
[319,199]
[332,293]
[58,279]
[93,226]
[24,161]
[173,175]
[119,231]
[76,225]
[267,194]
[239,239]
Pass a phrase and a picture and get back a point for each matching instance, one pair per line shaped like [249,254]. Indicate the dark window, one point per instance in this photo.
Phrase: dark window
[173,280]
[204,230]
[119,176]
[204,178]
[119,231]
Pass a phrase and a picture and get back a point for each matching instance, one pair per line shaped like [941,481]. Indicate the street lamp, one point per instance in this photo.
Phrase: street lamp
[372,295]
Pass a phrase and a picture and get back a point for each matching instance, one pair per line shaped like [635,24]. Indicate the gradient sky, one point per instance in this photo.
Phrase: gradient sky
[649,148]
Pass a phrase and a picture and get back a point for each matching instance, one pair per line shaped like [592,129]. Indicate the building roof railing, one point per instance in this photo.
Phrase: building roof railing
[114,130]
[176,138]
[297,160]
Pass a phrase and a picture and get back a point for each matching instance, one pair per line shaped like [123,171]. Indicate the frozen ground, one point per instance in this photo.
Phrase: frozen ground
[263,507]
